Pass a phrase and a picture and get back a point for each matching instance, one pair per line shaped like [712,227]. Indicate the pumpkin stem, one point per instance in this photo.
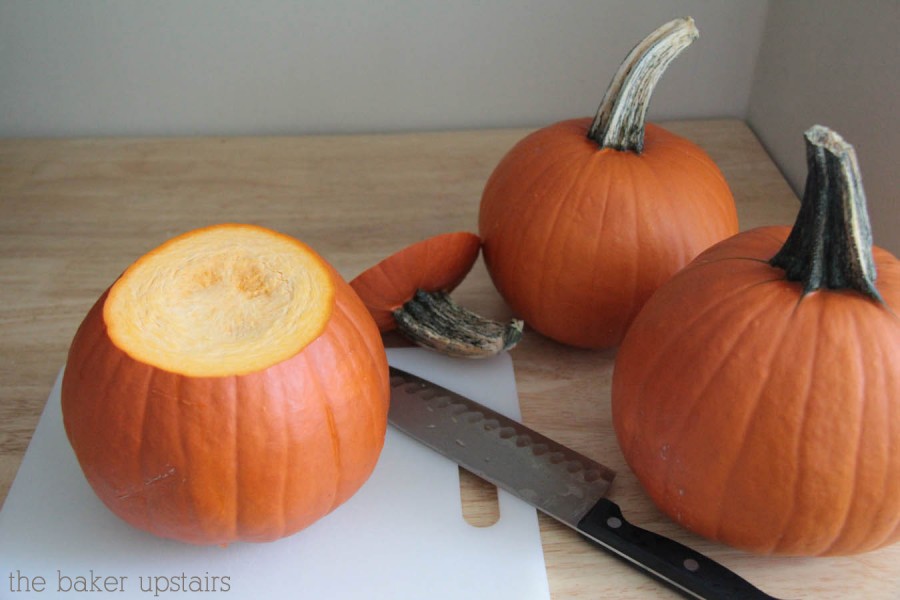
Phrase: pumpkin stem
[619,122]
[830,245]
[433,320]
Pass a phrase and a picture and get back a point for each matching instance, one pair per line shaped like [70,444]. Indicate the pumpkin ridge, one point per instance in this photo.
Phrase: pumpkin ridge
[597,279]
[684,204]
[895,533]
[681,206]
[324,396]
[338,343]
[203,525]
[735,258]
[576,180]
[91,338]
[699,156]
[788,515]
[236,420]
[150,515]
[521,220]
[336,451]
[725,213]
[373,345]
[345,311]
[748,421]
[805,419]
[616,207]
[375,416]
[636,205]
[120,360]
[182,449]
[288,463]
[722,355]
[662,352]
[677,427]
[866,407]
[824,548]
[650,365]
[838,538]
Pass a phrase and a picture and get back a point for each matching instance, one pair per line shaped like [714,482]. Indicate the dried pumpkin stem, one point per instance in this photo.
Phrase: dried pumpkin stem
[619,122]
[433,320]
[830,245]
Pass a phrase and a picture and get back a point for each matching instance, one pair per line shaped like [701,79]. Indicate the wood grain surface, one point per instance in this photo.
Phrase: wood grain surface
[75,213]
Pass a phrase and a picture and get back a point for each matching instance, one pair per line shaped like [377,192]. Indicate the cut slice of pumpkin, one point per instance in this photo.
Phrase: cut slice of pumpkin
[410,291]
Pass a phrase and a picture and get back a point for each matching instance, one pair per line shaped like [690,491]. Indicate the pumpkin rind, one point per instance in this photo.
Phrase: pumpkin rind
[410,291]
[247,457]
[763,414]
[436,264]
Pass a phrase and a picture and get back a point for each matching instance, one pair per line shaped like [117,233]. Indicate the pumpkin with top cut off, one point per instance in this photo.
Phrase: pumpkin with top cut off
[228,386]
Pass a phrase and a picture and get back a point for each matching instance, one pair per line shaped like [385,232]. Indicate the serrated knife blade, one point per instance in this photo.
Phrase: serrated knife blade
[556,480]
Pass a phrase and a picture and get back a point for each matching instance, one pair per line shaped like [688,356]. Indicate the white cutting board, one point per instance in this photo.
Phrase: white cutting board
[402,536]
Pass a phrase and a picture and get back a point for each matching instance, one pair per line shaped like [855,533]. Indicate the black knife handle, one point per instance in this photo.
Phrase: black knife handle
[685,570]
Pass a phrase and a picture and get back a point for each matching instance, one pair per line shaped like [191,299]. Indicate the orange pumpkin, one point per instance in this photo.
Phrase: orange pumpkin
[410,291]
[228,386]
[755,396]
[581,222]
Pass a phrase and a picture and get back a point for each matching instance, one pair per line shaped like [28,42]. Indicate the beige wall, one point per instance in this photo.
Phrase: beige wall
[835,63]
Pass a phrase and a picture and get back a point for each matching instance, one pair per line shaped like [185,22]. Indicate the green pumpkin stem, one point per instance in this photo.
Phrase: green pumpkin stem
[619,122]
[830,245]
[433,320]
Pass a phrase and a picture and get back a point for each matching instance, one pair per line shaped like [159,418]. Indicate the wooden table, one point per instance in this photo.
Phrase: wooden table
[75,213]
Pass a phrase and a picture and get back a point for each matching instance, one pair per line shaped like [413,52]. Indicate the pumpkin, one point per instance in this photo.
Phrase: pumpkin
[228,386]
[583,220]
[410,291]
[756,394]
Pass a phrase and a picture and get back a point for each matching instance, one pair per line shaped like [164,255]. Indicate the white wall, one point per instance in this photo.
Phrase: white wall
[834,63]
[222,67]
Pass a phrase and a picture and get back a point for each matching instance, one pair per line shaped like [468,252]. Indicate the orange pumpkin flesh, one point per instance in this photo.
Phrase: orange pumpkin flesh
[581,222]
[761,411]
[410,289]
[229,386]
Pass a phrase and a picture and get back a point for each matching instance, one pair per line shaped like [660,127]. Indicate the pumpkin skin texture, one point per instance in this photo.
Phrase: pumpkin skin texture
[576,237]
[762,416]
[251,456]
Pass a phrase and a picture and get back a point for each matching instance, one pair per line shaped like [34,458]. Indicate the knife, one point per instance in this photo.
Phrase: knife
[556,480]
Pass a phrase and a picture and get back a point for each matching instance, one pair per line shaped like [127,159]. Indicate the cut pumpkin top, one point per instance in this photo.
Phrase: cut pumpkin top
[222,300]
[437,264]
